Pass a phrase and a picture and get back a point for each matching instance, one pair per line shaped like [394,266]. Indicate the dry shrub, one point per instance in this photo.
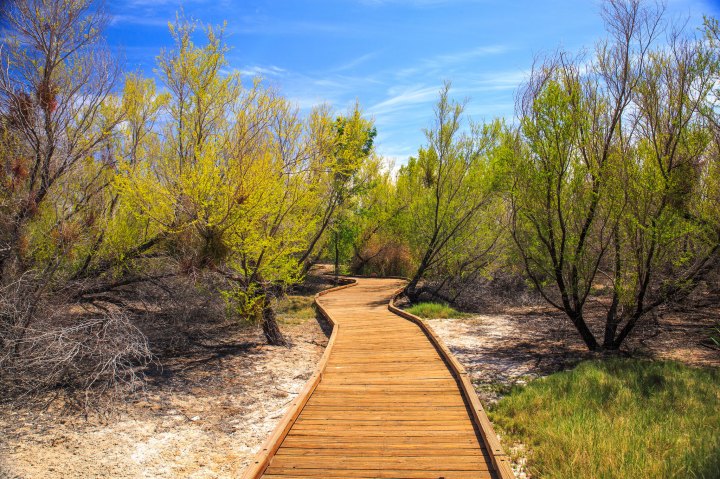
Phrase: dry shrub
[389,258]
[51,347]
[481,293]
[182,313]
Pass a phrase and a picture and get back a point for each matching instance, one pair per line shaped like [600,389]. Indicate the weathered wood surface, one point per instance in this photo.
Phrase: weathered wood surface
[385,403]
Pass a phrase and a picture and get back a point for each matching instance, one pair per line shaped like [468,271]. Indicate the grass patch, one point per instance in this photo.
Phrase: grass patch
[295,309]
[434,311]
[618,418]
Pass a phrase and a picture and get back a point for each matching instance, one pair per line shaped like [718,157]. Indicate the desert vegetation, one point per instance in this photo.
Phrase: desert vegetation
[112,185]
[134,209]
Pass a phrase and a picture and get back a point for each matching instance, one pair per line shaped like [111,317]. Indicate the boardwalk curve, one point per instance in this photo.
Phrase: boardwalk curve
[387,400]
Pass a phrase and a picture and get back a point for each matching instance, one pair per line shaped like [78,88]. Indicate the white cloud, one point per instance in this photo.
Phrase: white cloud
[144,20]
[464,56]
[408,3]
[496,81]
[403,97]
[266,26]
[440,64]
[355,62]
[262,71]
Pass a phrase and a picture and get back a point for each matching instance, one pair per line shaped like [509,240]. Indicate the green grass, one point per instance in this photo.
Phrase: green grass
[434,311]
[618,418]
[295,309]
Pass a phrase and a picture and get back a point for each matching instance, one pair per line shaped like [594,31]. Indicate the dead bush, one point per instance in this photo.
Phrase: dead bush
[66,349]
[382,259]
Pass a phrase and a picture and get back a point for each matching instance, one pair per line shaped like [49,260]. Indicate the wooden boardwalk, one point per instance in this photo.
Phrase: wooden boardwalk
[386,403]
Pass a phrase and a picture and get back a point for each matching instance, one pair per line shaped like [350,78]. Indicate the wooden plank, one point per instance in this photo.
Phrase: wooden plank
[387,402]
[365,449]
[375,474]
[301,461]
[323,441]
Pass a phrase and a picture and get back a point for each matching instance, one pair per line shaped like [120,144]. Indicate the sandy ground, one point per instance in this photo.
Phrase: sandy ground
[523,343]
[204,417]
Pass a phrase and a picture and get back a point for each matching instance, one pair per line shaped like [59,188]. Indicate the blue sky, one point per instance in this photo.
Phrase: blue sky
[391,55]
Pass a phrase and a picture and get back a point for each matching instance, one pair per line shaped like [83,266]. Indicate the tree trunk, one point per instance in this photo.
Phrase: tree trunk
[611,324]
[305,257]
[337,259]
[411,289]
[585,333]
[270,326]
[612,321]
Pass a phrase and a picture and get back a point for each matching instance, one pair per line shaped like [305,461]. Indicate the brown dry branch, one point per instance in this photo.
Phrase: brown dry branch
[49,348]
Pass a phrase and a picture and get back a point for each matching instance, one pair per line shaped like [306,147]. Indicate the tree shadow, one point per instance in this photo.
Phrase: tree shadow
[323,322]
[200,356]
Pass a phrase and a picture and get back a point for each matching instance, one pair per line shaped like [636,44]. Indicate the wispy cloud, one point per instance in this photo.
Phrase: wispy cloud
[262,71]
[407,3]
[154,20]
[265,26]
[404,97]
[467,55]
[488,111]
[306,103]
[355,62]
[162,3]
[442,62]
[496,81]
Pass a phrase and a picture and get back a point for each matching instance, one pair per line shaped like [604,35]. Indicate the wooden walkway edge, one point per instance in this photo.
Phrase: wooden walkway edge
[387,400]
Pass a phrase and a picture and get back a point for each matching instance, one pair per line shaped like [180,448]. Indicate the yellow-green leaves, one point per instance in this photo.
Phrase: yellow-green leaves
[238,180]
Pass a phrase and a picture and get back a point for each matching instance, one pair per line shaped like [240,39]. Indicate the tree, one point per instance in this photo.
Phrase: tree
[56,80]
[448,188]
[608,173]
[375,244]
[120,237]
[341,151]
[274,220]
[233,188]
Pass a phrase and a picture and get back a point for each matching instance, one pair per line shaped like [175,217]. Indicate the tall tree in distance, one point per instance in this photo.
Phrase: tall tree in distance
[341,149]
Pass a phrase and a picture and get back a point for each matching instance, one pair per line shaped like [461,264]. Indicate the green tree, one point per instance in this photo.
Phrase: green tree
[238,186]
[376,244]
[449,189]
[608,174]
[341,150]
